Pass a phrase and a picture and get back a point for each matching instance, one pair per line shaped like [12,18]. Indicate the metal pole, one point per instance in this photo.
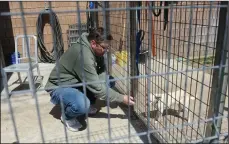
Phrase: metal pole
[218,74]
[223,94]
[96,18]
[225,73]
[148,72]
[2,60]
[133,70]
[107,16]
[2,65]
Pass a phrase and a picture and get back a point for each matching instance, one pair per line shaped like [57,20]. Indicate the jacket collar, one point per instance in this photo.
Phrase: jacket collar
[85,41]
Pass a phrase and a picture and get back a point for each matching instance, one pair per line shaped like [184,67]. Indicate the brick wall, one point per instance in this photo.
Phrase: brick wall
[117,23]
[180,29]
[16,27]
[12,26]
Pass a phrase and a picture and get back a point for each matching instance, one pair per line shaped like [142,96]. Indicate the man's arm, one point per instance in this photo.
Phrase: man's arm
[99,89]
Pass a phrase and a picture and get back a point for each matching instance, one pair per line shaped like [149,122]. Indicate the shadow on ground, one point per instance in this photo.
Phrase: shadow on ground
[56,113]
[2,80]
[25,85]
[138,125]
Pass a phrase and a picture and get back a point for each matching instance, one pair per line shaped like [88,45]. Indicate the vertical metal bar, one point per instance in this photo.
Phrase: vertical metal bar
[107,72]
[216,73]
[138,80]
[82,70]
[224,70]
[107,24]
[31,72]
[36,51]
[212,62]
[29,43]
[194,49]
[128,60]
[132,33]
[161,44]
[16,56]
[148,22]
[9,103]
[148,72]
[126,66]
[57,67]
[141,81]
[198,72]
[162,65]
[16,49]
[187,65]
[2,60]
[96,17]
[205,56]
[179,76]
[24,52]
[165,48]
[223,92]
[169,136]
[168,36]
[173,82]
[183,49]
[144,97]
[204,67]
[168,63]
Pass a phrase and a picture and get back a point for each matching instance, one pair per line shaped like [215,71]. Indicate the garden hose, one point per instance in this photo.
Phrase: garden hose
[45,56]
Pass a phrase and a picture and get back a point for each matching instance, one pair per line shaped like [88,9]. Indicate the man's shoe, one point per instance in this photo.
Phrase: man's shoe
[72,124]
[93,111]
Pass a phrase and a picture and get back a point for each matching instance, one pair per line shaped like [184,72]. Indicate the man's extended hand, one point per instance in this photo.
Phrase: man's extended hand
[131,100]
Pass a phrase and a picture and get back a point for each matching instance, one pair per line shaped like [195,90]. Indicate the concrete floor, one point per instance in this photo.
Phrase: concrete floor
[28,128]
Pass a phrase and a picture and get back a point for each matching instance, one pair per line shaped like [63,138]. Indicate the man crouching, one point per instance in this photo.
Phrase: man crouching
[70,72]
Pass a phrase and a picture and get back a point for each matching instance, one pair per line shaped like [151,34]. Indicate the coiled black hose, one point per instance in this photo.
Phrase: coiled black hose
[45,56]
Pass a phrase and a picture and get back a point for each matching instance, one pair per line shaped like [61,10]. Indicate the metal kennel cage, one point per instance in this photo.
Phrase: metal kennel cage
[179,48]
[172,57]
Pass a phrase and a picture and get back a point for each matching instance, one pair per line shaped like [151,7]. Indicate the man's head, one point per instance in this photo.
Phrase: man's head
[98,42]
